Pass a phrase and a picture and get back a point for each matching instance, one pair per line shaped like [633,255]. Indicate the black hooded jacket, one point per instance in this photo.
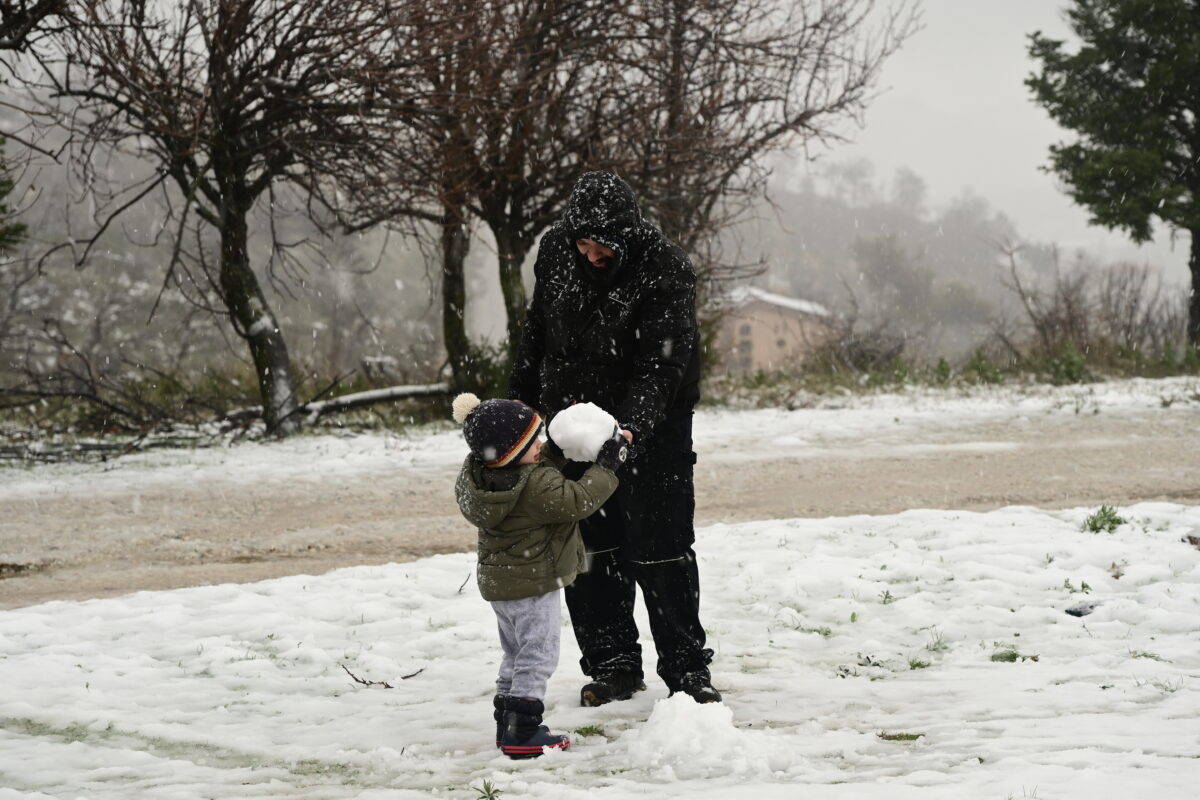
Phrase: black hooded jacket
[623,336]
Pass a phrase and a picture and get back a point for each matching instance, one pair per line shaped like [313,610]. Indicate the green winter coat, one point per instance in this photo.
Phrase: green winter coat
[528,520]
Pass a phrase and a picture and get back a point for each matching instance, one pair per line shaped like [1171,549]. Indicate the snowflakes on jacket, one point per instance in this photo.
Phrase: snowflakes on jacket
[623,336]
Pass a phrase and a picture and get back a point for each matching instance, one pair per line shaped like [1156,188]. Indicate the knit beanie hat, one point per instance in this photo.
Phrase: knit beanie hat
[498,432]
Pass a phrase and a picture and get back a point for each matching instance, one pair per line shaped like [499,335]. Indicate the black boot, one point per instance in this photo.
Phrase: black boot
[498,705]
[699,687]
[617,686]
[524,736]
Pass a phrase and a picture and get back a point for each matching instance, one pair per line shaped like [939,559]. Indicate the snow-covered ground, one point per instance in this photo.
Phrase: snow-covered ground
[831,635]
[926,654]
[891,420]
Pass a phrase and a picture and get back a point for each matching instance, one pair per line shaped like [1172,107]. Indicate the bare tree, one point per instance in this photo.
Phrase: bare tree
[1058,316]
[235,105]
[1132,311]
[21,20]
[524,96]
[14,276]
[552,99]
[712,100]
[1120,310]
[668,93]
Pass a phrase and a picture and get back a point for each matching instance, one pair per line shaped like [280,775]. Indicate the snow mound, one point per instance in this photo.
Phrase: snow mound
[686,739]
[580,430]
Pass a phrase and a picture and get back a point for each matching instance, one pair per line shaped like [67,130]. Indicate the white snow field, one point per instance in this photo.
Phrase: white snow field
[830,635]
[871,422]
[926,654]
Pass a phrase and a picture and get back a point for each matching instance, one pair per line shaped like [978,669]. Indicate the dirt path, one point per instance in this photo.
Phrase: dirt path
[87,545]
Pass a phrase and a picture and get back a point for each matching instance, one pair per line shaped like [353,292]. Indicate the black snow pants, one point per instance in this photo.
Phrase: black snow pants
[643,536]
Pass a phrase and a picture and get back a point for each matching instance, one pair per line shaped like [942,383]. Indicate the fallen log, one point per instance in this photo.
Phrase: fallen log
[315,409]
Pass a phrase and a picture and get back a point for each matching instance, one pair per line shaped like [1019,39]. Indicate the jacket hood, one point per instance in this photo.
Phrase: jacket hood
[604,208]
[487,496]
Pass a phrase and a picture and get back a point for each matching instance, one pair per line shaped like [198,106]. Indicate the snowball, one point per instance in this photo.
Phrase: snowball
[580,430]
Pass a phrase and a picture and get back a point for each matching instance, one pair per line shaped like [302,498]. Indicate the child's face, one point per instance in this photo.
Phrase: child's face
[531,455]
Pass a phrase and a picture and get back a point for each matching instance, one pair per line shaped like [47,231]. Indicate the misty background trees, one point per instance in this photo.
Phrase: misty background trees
[250,205]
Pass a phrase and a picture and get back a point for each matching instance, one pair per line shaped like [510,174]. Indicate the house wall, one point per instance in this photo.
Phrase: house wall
[759,336]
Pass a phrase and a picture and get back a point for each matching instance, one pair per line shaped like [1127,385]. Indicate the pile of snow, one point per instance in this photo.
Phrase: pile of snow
[686,740]
[581,430]
[922,655]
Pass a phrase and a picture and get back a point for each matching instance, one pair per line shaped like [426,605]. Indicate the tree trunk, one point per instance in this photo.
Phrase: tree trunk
[239,286]
[1193,329]
[254,322]
[455,243]
[671,207]
[512,249]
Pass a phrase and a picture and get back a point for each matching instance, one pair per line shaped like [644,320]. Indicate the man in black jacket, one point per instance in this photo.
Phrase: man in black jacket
[613,322]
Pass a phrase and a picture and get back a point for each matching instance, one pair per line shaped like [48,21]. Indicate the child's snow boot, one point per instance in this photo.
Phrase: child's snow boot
[498,715]
[498,705]
[524,736]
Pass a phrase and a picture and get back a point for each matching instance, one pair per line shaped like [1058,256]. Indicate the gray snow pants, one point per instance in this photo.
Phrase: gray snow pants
[529,636]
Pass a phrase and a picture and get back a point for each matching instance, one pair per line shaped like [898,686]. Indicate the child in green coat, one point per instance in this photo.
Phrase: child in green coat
[528,516]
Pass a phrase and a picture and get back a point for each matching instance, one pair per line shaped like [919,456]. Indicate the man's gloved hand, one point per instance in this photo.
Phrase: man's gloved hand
[613,452]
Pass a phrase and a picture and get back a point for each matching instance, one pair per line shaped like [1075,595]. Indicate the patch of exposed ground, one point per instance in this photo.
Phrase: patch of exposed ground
[83,545]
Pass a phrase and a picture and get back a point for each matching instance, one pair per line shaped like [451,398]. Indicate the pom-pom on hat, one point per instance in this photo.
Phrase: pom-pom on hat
[498,432]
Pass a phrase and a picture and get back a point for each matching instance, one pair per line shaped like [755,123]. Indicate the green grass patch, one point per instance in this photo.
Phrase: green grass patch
[1105,520]
[487,791]
[936,643]
[824,631]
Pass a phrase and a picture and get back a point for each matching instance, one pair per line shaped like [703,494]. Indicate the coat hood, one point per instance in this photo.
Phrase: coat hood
[604,208]
[487,496]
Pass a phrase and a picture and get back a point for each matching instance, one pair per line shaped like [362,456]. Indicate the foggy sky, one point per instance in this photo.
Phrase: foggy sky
[955,110]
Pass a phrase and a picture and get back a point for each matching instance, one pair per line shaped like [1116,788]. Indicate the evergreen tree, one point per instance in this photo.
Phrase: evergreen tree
[1131,91]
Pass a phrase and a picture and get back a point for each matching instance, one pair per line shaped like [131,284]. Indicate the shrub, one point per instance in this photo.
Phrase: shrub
[981,369]
[942,372]
[1191,359]
[1068,366]
[1105,520]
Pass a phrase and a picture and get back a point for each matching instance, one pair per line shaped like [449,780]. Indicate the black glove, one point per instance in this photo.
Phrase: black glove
[613,452]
